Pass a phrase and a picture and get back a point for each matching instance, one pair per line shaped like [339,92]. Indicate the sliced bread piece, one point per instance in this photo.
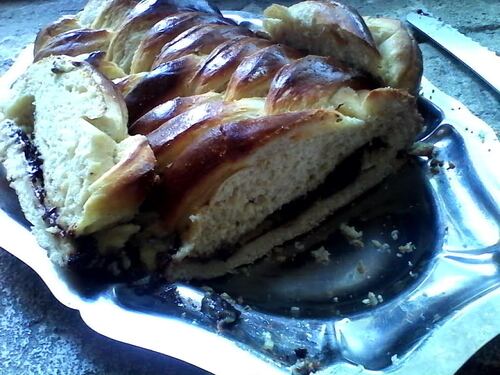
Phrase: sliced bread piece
[67,126]
[254,184]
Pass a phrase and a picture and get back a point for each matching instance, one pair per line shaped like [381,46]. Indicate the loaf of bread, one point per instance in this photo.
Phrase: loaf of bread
[212,144]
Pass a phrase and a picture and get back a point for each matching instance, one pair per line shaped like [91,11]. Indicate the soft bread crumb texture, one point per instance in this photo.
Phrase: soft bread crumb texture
[77,122]
[275,174]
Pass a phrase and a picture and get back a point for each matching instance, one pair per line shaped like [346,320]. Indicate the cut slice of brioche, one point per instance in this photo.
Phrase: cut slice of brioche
[94,175]
[244,176]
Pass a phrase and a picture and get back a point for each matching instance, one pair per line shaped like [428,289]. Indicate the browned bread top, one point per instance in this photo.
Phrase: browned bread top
[75,42]
[168,110]
[169,139]
[309,82]
[165,31]
[62,25]
[166,82]
[254,74]
[216,69]
[199,40]
[216,155]
[221,100]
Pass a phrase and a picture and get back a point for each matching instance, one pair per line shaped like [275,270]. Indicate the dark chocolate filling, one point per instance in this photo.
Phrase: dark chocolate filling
[344,174]
[35,173]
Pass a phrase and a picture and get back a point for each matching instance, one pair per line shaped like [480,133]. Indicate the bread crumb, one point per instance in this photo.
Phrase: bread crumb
[407,248]
[381,246]
[353,236]
[53,230]
[335,299]
[395,234]
[372,299]
[451,165]
[295,311]
[268,341]
[395,360]
[321,255]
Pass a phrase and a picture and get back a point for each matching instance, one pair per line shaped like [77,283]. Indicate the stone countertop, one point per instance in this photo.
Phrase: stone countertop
[39,335]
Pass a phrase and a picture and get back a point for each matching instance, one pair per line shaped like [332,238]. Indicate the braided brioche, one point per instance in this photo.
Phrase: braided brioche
[90,175]
[254,142]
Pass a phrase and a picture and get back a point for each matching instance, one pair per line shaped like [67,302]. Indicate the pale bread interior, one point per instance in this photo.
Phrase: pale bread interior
[76,121]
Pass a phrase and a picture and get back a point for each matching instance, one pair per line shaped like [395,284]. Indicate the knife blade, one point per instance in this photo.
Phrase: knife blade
[482,61]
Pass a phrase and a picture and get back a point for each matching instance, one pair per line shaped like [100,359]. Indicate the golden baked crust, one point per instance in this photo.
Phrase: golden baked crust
[75,42]
[382,47]
[199,40]
[401,64]
[62,25]
[235,125]
[327,28]
[165,31]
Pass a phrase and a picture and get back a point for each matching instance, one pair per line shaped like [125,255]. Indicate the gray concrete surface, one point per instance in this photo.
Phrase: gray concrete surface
[39,336]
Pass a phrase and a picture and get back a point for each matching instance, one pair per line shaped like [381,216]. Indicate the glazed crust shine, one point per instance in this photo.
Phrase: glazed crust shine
[223,126]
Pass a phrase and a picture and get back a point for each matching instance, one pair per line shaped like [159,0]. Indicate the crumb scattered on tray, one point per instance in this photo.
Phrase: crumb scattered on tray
[451,165]
[381,246]
[395,234]
[394,359]
[321,255]
[373,300]
[268,341]
[407,248]
[353,236]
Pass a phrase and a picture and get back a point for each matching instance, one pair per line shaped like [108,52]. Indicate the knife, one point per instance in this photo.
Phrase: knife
[482,61]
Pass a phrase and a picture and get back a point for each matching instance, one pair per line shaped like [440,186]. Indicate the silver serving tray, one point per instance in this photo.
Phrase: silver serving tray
[441,302]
